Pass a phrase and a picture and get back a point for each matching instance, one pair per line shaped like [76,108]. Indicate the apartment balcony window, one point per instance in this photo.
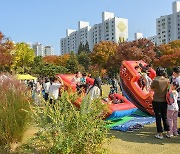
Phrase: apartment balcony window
[112,38]
[158,21]
[112,33]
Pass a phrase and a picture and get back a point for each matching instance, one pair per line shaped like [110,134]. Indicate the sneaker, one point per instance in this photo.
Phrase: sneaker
[169,136]
[179,131]
[158,136]
[176,134]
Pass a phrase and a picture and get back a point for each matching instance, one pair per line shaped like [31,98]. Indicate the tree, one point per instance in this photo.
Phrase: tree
[6,48]
[86,47]
[63,59]
[23,57]
[84,60]
[51,60]
[80,48]
[37,65]
[49,70]
[141,49]
[102,51]
[72,63]
[83,48]
[168,55]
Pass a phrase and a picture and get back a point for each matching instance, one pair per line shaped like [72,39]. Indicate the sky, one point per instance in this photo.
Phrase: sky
[46,21]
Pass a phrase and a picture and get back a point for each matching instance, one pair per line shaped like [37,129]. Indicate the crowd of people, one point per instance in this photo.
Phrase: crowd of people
[48,88]
[166,99]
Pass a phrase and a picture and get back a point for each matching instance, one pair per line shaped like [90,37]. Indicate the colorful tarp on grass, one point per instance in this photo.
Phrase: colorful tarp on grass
[132,122]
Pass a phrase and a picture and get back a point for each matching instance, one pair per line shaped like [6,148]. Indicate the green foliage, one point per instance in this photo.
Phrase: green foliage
[72,63]
[83,48]
[43,69]
[67,130]
[14,110]
[23,56]
[86,47]
[84,60]
[51,70]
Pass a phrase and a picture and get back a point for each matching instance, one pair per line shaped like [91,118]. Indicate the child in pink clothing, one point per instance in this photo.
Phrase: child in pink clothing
[172,110]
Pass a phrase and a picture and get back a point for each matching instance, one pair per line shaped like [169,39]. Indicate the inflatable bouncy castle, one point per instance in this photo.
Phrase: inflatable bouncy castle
[130,78]
[118,106]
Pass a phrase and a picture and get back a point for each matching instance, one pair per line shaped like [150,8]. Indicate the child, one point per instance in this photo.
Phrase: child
[83,83]
[172,110]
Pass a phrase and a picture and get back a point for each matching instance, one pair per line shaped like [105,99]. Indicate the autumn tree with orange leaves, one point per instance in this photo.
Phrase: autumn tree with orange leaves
[6,48]
[102,51]
[141,49]
[168,55]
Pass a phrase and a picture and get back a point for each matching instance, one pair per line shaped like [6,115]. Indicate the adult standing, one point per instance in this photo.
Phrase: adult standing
[95,91]
[115,84]
[54,90]
[46,88]
[160,86]
[38,90]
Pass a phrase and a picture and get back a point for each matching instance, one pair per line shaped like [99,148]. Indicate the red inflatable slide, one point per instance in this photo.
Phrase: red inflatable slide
[129,80]
[115,110]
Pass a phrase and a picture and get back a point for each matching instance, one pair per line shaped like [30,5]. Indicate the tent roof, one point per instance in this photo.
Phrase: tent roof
[25,77]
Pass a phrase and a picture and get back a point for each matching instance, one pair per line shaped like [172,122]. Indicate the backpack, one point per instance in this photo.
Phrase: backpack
[169,98]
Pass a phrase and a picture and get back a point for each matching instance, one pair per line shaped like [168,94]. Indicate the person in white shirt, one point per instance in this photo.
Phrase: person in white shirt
[54,90]
[176,75]
[95,91]
[46,86]
[38,92]
[76,80]
[172,109]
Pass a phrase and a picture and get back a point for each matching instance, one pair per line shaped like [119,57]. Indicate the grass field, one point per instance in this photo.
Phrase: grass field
[141,141]
[138,142]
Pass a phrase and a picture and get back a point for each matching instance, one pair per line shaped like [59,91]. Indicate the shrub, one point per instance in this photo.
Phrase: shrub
[65,129]
[14,107]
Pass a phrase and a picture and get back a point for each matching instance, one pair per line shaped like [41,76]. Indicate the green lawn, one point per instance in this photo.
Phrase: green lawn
[141,141]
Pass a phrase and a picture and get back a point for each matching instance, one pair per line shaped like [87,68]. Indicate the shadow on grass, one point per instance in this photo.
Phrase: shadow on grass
[144,135]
